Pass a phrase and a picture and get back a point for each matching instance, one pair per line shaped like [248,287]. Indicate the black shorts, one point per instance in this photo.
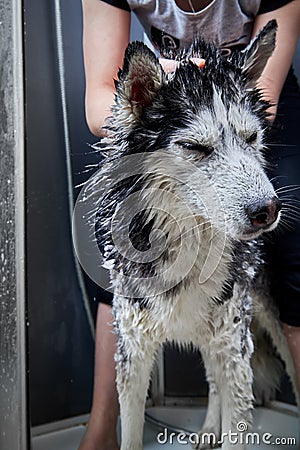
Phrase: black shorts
[104,297]
[283,245]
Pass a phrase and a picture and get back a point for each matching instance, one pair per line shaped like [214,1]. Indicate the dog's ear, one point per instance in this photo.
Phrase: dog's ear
[256,55]
[140,79]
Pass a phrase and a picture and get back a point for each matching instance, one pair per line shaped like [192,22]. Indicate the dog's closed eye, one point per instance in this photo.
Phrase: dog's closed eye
[205,150]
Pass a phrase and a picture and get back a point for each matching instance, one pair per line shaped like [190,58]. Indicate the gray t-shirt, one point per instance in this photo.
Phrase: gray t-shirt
[226,23]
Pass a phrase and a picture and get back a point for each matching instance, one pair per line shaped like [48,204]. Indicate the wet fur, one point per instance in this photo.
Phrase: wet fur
[201,136]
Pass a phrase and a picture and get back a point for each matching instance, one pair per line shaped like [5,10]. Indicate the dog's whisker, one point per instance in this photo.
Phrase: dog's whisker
[288,217]
[267,238]
[268,145]
[285,189]
[292,208]
[288,198]
[285,226]
[290,204]
[293,218]
[276,177]
[285,186]
[293,202]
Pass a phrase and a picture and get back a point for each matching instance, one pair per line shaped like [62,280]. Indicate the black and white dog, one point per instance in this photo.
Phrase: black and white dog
[183,200]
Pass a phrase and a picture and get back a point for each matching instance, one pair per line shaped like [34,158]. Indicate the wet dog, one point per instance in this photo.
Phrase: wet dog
[183,201]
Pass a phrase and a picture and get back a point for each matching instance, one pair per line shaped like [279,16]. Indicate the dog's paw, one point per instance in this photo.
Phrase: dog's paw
[206,438]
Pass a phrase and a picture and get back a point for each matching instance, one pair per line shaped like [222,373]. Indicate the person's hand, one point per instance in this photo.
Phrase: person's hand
[170,65]
[269,94]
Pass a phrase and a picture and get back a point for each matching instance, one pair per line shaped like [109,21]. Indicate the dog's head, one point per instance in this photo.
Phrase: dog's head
[204,127]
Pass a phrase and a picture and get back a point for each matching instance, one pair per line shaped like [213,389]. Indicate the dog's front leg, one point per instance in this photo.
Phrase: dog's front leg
[235,379]
[237,401]
[231,352]
[210,432]
[134,363]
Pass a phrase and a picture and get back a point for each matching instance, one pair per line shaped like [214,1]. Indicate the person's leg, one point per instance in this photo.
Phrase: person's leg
[284,243]
[101,430]
[293,339]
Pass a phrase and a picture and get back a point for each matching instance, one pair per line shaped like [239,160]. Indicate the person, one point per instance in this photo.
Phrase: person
[173,24]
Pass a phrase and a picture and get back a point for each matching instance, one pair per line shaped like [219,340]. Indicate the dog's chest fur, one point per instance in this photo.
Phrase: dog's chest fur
[194,310]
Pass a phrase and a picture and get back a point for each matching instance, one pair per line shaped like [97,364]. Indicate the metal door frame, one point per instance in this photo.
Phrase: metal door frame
[14,421]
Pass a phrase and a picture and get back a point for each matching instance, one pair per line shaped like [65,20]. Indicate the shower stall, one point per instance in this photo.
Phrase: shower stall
[47,310]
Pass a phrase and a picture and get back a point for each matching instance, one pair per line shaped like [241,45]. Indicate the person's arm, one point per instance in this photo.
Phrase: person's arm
[275,72]
[106,33]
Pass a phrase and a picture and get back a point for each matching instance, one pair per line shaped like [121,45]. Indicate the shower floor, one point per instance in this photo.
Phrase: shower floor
[280,427]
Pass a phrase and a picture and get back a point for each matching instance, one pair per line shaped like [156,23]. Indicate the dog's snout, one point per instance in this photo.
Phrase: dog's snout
[262,214]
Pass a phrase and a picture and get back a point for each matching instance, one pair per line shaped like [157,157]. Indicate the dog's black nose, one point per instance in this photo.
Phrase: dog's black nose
[264,213]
